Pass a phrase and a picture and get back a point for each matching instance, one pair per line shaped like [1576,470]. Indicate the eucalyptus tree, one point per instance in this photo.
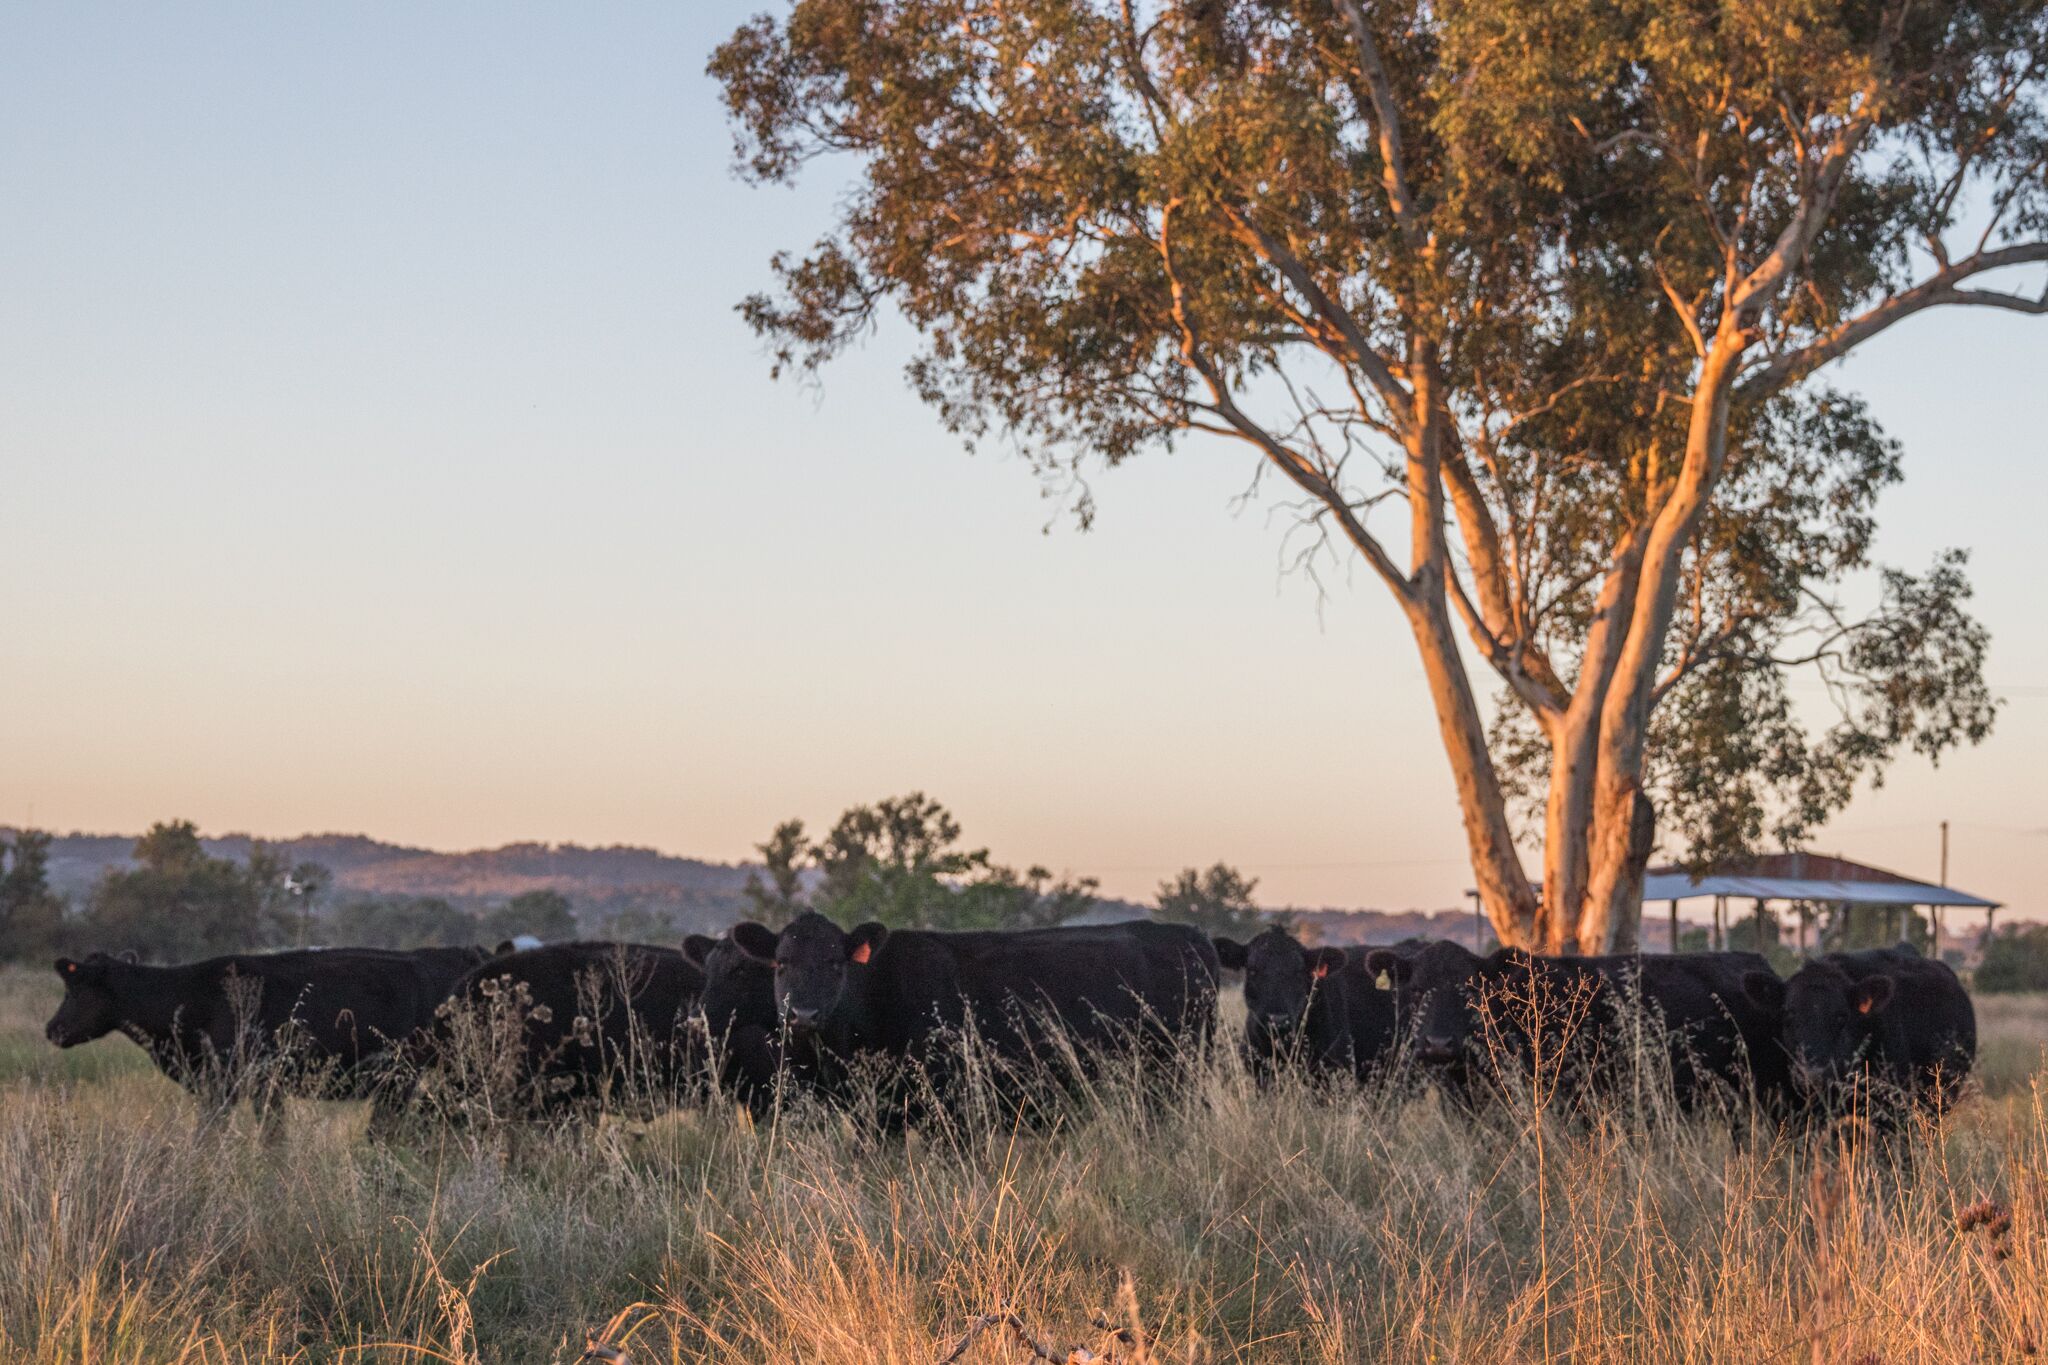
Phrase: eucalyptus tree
[1550,276]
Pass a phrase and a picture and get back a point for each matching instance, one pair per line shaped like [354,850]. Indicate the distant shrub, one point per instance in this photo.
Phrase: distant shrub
[2016,959]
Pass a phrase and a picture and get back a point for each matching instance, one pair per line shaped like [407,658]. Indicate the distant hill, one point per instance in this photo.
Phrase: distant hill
[600,881]
[1388,926]
[691,893]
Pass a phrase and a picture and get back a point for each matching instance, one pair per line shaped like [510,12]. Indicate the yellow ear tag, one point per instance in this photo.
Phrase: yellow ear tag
[1383,981]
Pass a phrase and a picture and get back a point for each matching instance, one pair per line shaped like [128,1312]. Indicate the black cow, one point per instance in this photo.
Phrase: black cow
[1437,986]
[902,994]
[568,1030]
[1717,1039]
[1320,1008]
[1886,1016]
[737,1010]
[1472,1012]
[322,1023]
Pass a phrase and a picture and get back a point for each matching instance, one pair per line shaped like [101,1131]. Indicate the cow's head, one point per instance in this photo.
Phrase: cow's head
[1830,1018]
[814,959]
[1280,976]
[89,1009]
[739,978]
[1436,987]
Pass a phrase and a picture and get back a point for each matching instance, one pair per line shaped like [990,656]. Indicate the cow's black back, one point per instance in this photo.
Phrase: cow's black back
[314,1022]
[592,1023]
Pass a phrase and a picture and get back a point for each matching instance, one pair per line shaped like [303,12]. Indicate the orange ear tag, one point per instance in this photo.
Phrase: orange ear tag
[1863,1005]
[860,954]
[1322,970]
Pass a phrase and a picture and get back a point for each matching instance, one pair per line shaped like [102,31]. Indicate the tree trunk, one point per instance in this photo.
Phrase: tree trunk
[1567,823]
[1574,753]
[1504,890]
[1503,886]
[1625,713]
[1626,935]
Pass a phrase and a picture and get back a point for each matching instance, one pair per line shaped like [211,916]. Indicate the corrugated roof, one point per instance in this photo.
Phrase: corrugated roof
[1802,877]
[1805,877]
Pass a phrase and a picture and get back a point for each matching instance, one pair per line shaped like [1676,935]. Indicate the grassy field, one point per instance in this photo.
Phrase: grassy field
[1224,1224]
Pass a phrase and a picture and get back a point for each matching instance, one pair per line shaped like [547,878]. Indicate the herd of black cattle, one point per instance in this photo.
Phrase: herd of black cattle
[762,1015]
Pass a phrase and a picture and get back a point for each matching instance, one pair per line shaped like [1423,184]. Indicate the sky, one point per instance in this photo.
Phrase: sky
[380,451]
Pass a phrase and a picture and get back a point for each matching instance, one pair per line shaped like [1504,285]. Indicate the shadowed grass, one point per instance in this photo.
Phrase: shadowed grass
[1217,1223]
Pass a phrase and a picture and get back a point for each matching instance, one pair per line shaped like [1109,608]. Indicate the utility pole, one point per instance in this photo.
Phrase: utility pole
[1935,910]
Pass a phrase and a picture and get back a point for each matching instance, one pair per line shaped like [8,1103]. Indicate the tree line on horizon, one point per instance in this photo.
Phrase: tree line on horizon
[899,860]
[176,902]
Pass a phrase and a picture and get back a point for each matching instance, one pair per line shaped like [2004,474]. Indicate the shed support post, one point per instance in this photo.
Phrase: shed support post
[1674,926]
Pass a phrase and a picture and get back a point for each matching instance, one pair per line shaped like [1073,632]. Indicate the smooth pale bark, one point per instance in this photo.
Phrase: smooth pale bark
[1504,890]
[1625,713]
[1574,755]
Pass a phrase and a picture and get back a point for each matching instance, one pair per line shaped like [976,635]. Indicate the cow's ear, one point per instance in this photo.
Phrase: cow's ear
[1873,993]
[1230,953]
[1764,990]
[862,942]
[697,947]
[755,940]
[129,956]
[505,945]
[1323,961]
[1385,962]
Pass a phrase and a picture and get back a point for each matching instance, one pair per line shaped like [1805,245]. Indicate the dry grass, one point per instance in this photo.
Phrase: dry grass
[1220,1224]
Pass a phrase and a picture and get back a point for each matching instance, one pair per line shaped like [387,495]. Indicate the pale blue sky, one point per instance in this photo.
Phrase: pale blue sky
[379,451]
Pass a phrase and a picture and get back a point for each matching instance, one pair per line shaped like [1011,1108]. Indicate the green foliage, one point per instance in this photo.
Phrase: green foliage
[2015,959]
[1218,902]
[1001,899]
[900,861]
[640,924]
[401,922]
[1846,927]
[777,901]
[546,914]
[179,903]
[31,915]
[1743,937]
[432,922]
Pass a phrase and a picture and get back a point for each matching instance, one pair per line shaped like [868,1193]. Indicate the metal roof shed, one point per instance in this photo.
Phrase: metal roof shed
[1804,877]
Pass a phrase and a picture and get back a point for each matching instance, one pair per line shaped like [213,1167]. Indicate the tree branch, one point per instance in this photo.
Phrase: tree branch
[1291,267]
[1289,462]
[1939,288]
[1748,299]
[1387,127]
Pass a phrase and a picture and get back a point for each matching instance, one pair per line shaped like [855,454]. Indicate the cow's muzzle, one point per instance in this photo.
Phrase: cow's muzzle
[1437,1049]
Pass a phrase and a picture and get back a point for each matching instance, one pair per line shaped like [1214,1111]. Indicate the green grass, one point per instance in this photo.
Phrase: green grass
[1226,1223]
